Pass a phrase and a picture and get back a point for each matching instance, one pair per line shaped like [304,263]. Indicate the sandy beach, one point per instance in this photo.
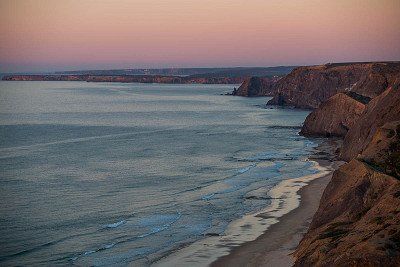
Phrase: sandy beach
[266,238]
[275,246]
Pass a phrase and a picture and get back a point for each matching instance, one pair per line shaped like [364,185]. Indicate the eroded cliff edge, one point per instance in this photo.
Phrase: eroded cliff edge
[358,220]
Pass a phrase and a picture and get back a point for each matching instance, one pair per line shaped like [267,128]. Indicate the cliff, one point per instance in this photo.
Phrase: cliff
[333,117]
[382,109]
[357,223]
[257,86]
[308,87]
[383,152]
[167,75]
[194,72]
[358,220]
[355,117]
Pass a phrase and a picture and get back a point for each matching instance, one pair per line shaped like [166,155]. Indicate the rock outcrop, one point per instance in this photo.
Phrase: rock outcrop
[308,87]
[257,86]
[333,117]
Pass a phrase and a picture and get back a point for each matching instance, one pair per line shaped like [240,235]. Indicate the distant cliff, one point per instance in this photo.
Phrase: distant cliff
[128,79]
[194,72]
[257,86]
[167,75]
[308,87]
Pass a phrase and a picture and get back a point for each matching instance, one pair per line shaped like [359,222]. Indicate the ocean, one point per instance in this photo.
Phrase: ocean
[100,174]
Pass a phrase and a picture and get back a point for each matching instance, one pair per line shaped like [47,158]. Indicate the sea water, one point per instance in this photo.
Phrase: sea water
[116,174]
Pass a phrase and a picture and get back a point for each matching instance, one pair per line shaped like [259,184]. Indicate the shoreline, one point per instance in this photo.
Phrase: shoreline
[249,235]
[288,232]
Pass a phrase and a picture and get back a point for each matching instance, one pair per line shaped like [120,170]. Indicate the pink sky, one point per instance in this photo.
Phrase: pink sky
[46,35]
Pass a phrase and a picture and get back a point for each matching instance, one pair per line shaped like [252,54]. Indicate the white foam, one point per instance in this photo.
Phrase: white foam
[115,225]
[284,197]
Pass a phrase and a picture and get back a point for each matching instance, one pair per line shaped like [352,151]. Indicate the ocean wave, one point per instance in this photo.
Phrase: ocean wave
[89,252]
[153,230]
[116,224]
[284,127]
[208,197]
[246,169]
[157,229]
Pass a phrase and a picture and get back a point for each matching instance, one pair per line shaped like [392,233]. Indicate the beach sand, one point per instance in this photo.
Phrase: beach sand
[273,248]
[268,237]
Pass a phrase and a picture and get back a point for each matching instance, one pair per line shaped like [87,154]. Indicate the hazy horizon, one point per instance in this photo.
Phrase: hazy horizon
[47,36]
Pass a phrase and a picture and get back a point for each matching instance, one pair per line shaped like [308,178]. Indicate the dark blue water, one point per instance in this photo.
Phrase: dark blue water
[115,174]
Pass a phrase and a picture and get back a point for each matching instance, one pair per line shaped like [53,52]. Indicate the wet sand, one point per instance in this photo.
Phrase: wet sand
[266,238]
[248,236]
[273,248]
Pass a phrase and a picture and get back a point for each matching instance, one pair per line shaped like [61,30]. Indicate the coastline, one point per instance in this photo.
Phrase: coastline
[285,220]
[288,232]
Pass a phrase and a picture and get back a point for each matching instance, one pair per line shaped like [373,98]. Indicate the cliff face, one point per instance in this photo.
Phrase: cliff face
[383,152]
[382,109]
[334,117]
[358,220]
[256,86]
[308,87]
[357,223]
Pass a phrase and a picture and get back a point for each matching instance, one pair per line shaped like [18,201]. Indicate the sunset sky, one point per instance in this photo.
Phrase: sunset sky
[46,35]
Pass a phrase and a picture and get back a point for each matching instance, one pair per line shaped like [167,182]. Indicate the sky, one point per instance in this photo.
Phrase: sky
[51,35]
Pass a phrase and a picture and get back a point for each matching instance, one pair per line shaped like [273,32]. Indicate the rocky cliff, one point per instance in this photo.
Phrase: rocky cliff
[382,109]
[257,86]
[383,152]
[357,223]
[358,220]
[333,117]
[308,87]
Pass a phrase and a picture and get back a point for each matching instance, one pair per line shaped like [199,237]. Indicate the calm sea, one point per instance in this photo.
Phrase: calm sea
[117,174]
